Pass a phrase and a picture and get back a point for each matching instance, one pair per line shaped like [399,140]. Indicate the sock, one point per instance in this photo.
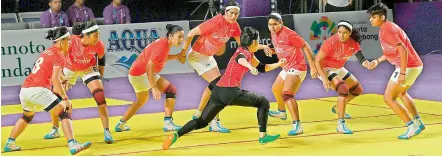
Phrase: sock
[418,117]
[121,120]
[11,139]
[106,129]
[410,123]
[281,111]
[55,127]
[71,140]
[167,118]
[197,113]
[341,121]
[296,121]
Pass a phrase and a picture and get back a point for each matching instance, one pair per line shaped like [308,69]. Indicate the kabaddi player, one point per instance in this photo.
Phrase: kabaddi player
[330,60]
[35,91]
[143,75]
[289,45]
[227,91]
[81,62]
[398,50]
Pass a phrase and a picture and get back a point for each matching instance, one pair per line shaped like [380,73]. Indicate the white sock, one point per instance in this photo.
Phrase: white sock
[197,113]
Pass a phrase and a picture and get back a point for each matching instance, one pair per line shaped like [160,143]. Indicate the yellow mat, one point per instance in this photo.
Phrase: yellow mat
[376,129]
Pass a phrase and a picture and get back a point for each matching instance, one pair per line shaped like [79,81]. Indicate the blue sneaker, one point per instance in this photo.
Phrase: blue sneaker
[297,130]
[107,137]
[268,138]
[346,115]
[420,124]
[215,126]
[53,134]
[170,126]
[194,117]
[10,146]
[121,126]
[278,114]
[75,147]
[342,128]
[412,130]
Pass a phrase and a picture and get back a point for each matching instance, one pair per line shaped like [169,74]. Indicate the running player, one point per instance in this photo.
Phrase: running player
[227,90]
[35,91]
[81,62]
[398,51]
[143,75]
[289,45]
[330,60]
[213,35]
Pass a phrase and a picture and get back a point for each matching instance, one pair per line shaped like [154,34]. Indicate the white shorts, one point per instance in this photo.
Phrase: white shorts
[410,77]
[341,72]
[32,97]
[141,83]
[201,63]
[91,74]
[301,74]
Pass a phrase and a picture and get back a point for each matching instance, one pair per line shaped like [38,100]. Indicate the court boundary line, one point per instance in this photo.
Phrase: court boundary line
[355,104]
[245,141]
[206,131]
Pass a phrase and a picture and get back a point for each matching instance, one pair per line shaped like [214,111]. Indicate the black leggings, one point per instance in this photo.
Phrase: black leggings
[246,99]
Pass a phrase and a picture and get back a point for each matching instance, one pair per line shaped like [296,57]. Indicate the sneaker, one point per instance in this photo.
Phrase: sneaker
[268,138]
[170,140]
[412,130]
[53,134]
[342,128]
[121,126]
[170,126]
[420,124]
[297,129]
[75,147]
[107,137]
[215,126]
[10,146]
[346,115]
[278,114]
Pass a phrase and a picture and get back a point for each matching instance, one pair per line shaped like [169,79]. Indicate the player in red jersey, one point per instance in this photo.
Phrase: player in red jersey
[213,35]
[290,46]
[227,91]
[143,75]
[330,60]
[81,62]
[398,51]
[35,91]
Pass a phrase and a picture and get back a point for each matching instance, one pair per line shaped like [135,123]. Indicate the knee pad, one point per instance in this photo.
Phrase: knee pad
[64,115]
[170,91]
[356,90]
[27,119]
[98,95]
[263,102]
[287,95]
[213,83]
[342,89]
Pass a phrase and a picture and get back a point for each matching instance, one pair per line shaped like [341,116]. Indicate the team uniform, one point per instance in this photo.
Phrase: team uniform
[82,61]
[227,92]
[156,52]
[390,35]
[36,92]
[214,35]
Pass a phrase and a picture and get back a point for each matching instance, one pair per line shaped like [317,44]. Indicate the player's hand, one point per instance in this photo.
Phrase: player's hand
[313,73]
[401,79]
[253,70]
[326,84]
[183,51]
[182,58]
[267,51]
[156,93]
[282,61]
[373,64]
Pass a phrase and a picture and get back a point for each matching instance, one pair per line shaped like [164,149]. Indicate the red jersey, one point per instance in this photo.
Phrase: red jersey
[81,57]
[42,71]
[337,53]
[235,72]
[157,52]
[288,44]
[390,36]
[214,34]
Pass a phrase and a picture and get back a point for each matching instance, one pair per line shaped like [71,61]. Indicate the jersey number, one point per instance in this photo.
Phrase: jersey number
[395,74]
[37,65]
